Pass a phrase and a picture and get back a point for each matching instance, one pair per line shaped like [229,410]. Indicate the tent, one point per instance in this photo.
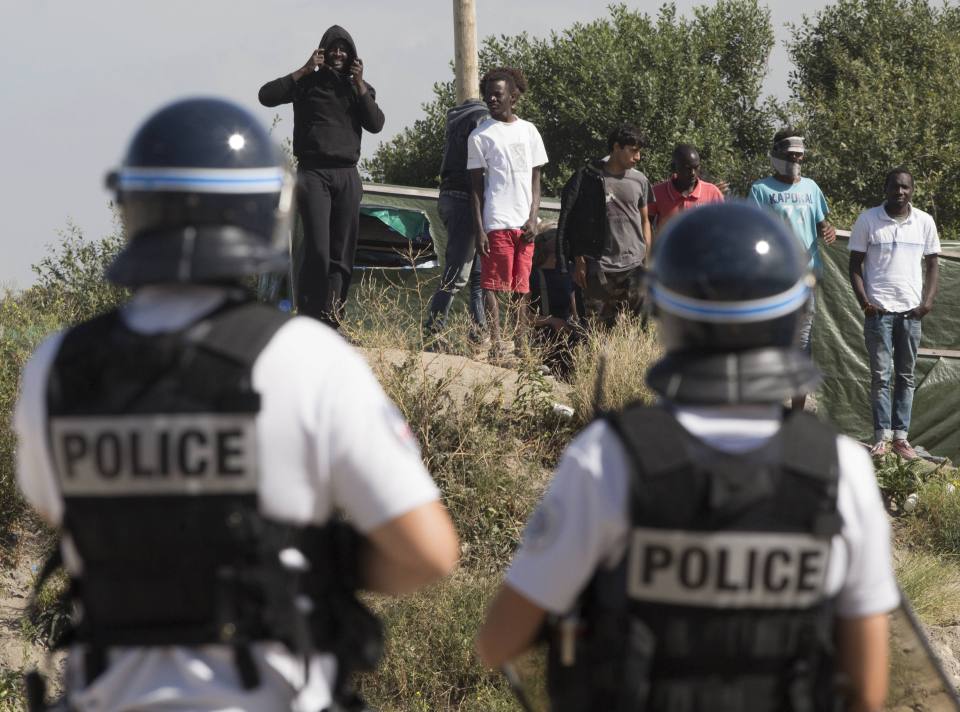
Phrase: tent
[394,200]
[400,228]
[840,353]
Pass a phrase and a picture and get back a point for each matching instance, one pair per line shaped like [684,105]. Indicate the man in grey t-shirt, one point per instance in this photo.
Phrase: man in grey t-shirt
[604,220]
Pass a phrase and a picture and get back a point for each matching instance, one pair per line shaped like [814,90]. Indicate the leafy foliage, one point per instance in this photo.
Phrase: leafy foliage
[69,288]
[70,279]
[413,156]
[679,79]
[877,85]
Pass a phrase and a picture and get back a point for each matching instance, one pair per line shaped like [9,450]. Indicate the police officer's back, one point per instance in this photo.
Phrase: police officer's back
[706,553]
[197,449]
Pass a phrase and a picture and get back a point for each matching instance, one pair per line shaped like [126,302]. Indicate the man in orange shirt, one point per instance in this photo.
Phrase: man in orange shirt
[684,190]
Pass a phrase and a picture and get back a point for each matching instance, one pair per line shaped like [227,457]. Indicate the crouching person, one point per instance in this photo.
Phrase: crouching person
[224,476]
[709,552]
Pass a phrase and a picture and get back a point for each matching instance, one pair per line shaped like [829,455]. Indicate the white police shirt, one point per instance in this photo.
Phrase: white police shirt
[583,521]
[328,438]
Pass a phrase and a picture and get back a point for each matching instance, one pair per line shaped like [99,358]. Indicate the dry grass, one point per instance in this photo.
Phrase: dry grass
[625,352]
[932,584]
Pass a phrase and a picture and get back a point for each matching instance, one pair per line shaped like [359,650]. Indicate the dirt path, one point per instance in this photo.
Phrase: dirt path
[464,373]
[19,655]
[915,686]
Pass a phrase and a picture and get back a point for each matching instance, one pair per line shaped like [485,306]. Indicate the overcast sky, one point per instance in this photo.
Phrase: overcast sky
[79,77]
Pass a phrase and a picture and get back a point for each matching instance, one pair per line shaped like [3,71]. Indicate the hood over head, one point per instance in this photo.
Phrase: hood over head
[472,110]
[334,33]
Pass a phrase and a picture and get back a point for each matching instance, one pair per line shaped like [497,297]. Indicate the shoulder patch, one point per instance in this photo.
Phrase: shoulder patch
[544,525]
[400,428]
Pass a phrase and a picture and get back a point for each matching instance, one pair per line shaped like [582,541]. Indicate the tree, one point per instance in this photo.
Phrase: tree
[877,85]
[694,79]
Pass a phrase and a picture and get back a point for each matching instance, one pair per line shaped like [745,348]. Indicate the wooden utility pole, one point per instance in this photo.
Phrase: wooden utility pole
[465,50]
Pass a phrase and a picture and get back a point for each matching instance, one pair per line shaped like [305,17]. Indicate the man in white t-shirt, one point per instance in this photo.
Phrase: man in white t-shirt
[888,244]
[705,553]
[198,451]
[504,157]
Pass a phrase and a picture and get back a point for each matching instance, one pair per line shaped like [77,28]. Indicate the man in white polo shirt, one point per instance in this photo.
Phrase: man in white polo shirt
[887,245]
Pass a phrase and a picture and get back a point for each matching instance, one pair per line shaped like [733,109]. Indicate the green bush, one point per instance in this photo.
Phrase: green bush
[877,85]
[69,288]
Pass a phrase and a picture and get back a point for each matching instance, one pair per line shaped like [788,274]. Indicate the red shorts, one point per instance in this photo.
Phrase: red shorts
[506,268]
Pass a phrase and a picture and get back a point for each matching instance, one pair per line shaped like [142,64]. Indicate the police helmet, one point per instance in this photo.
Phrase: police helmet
[728,278]
[205,197]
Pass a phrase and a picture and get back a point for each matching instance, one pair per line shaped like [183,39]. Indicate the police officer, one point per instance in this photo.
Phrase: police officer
[710,553]
[197,451]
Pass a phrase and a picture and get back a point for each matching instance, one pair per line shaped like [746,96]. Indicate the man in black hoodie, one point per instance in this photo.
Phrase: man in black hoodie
[331,106]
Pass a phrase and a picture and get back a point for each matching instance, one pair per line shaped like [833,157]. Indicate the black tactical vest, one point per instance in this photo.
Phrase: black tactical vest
[720,602]
[154,447]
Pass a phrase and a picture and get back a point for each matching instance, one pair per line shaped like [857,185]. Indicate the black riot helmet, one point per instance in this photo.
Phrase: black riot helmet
[205,197]
[729,286]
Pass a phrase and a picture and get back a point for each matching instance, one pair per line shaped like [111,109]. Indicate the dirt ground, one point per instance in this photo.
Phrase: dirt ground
[466,373]
[17,653]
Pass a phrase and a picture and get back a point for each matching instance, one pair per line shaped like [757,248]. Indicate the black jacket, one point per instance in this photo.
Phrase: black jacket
[582,227]
[328,115]
[461,121]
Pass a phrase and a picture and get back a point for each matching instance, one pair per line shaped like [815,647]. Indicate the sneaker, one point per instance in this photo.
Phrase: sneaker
[903,448]
[478,345]
[879,448]
[438,344]
[499,356]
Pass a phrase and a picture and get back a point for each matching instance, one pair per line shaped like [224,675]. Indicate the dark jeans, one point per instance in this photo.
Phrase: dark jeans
[461,263]
[892,341]
[329,203]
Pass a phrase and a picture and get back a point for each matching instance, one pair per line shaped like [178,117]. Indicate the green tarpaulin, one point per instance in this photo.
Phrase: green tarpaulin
[409,223]
[839,351]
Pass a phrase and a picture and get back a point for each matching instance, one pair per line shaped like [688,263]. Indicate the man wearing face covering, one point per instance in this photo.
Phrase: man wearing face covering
[332,104]
[800,202]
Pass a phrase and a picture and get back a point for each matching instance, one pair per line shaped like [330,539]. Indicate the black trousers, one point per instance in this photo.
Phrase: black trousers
[328,200]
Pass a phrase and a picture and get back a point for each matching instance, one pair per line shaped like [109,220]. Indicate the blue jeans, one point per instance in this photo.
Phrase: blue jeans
[461,263]
[806,325]
[892,341]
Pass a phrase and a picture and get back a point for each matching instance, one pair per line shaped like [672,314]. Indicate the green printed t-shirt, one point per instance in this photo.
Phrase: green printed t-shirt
[802,205]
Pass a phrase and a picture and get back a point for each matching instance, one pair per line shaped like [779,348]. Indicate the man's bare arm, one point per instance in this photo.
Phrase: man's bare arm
[476,200]
[411,550]
[855,270]
[511,626]
[647,230]
[530,227]
[931,282]
[827,231]
[863,655]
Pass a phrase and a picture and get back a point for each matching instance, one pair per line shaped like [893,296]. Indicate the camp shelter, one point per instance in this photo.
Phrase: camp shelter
[400,228]
[840,353]
[393,200]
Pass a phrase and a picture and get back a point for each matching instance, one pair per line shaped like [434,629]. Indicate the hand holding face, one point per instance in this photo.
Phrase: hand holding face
[356,72]
[315,62]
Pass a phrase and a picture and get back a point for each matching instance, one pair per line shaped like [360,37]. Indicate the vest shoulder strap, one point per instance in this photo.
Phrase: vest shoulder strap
[637,426]
[809,447]
[239,333]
